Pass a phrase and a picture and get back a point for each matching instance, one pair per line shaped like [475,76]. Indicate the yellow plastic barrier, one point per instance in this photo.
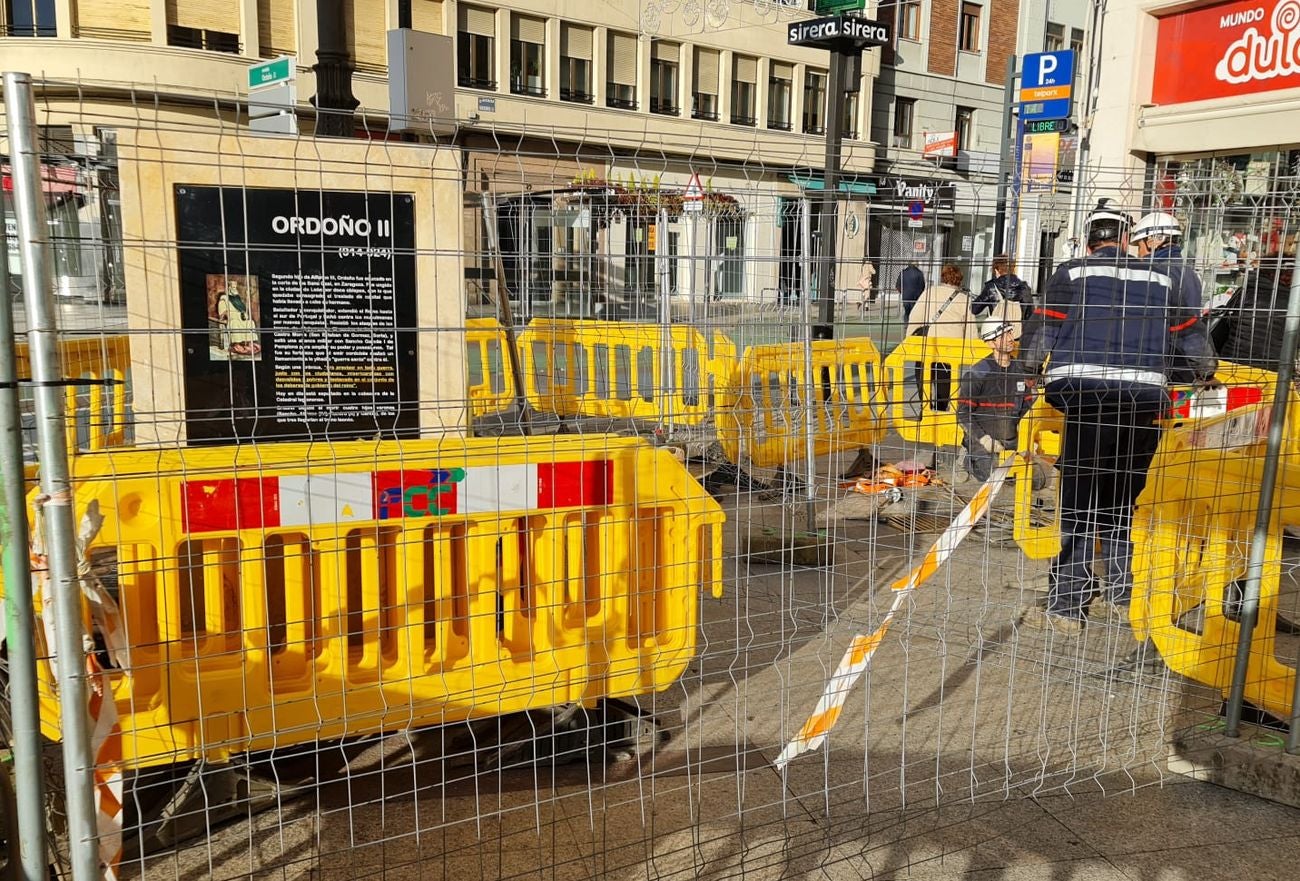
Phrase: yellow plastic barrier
[764,417]
[269,602]
[103,363]
[928,414]
[1042,428]
[1192,534]
[1040,432]
[490,385]
[619,370]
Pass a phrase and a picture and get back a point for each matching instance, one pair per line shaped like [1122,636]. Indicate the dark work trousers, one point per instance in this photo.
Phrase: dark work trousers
[1110,439]
[979,462]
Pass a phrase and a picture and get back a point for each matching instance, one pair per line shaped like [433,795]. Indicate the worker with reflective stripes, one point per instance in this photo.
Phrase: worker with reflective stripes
[1156,237]
[994,394]
[1113,329]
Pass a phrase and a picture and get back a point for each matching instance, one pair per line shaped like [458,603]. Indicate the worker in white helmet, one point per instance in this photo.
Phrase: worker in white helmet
[1157,234]
[1158,237]
[1111,331]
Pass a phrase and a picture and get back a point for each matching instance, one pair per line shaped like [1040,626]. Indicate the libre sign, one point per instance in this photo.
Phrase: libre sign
[829,31]
[1236,48]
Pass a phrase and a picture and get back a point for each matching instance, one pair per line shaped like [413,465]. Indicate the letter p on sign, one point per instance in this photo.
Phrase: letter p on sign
[1046,67]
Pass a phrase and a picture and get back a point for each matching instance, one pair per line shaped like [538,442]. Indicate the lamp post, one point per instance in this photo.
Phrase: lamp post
[844,34]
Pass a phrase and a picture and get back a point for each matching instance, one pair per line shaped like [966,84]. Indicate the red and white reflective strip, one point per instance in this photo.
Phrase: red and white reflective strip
[232,503]
[106,745]
[858,657]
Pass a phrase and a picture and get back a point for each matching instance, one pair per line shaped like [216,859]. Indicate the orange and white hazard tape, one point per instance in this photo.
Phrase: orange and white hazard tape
[106,731]
[106,746]
[858,657]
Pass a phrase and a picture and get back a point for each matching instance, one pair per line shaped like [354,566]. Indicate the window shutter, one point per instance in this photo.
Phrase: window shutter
[782,70]
[367,26]
[426,15]
[478,21]
[665,51]
[277,27]
[204,15]
[576,42]
[115,19]
[622,59]
[706,71]
[746,69]
[528,30]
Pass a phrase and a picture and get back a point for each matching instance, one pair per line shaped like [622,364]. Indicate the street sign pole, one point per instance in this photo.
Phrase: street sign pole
[845,36]
[1017,187]
[1045,95]
[1004,159]
[824,329]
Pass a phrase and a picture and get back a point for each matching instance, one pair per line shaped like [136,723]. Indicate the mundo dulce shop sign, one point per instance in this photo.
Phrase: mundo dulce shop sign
[1227,50]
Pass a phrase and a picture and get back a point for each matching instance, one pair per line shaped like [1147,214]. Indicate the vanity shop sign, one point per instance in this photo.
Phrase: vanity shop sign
[1227,49]
[903,192]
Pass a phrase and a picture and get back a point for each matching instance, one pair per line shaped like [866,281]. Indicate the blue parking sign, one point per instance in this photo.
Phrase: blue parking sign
[1046,85]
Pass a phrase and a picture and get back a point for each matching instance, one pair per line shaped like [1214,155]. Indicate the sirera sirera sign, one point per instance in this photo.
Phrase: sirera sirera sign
[838,30]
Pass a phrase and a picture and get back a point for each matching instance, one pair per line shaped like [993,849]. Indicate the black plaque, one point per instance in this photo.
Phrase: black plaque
[838,32]
[299,312]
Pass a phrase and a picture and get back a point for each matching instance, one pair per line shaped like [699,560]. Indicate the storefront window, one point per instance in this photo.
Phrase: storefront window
[1237,210]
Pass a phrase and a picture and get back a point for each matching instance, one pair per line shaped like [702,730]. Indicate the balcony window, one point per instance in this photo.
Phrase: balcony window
[780,93]
[620,87]
[850,120]
[1054,39]
[814,103]
[904,110]
[744,90]
[663,78]
[964,126]
[528,56]
[194,38]
[476,48]
[575,63]
[29,18]
[909,19]
[968,37]
[704,93]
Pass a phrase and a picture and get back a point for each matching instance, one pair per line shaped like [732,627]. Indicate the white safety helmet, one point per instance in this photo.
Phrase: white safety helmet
[1106,223]
[992,328]
[1157,223]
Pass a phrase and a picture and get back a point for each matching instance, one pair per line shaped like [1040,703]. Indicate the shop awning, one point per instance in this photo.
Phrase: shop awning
[847,185]
[56,179]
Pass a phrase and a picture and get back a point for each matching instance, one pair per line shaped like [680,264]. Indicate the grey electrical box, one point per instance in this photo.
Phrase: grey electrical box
[421,84]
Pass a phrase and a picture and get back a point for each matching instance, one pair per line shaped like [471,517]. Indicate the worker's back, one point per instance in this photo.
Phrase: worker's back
[1110,317]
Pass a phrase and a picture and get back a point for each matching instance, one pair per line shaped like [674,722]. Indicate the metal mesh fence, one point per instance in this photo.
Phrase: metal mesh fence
[399,546]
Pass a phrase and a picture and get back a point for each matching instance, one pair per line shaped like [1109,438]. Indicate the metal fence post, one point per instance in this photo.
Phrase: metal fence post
[810,382]
[1258,544]
[51,443]
[24,709]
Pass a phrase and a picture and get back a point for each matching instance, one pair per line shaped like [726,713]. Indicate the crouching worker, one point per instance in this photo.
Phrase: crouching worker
[994,394]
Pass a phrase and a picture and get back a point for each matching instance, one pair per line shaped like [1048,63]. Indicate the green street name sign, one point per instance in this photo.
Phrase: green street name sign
[831,7]
[269,73]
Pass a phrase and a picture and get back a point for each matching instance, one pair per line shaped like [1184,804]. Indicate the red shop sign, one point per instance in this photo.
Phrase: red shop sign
[1228,49]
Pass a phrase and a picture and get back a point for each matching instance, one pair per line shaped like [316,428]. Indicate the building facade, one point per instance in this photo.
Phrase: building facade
[1197,116]
[553,98]
[944,80]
